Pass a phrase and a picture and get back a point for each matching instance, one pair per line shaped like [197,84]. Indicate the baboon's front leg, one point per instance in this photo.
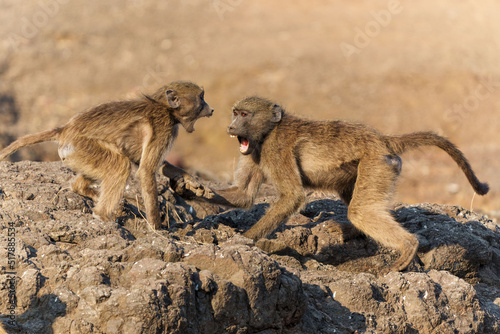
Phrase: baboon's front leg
[279,211]
[241,195]
[248,178]
[290,199]
[150,196]
[150,160]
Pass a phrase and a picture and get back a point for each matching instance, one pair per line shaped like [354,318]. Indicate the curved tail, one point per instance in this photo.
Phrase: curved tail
[400,144]
[30,140]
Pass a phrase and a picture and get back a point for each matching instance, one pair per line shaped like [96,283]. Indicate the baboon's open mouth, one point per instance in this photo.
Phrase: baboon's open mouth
[244,144]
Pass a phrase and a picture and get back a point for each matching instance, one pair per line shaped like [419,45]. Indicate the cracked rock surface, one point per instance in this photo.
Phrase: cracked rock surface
[76,274]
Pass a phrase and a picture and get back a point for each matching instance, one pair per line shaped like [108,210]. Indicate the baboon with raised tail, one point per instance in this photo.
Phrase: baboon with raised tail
[356,161]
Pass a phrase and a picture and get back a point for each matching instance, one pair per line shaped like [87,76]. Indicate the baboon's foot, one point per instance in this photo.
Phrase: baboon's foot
[271,246]
[93,194]
[104,215]
[98,216]
[407,255]
[253,233]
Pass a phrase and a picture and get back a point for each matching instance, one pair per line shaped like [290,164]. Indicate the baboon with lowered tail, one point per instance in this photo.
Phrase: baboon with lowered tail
[101,143]
[354,160]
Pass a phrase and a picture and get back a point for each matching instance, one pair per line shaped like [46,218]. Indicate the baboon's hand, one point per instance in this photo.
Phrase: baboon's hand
[187,186]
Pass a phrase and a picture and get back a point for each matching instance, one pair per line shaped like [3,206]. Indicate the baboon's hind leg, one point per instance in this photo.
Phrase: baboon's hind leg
[112,188]
[81,185]
[368,210]
[93,161]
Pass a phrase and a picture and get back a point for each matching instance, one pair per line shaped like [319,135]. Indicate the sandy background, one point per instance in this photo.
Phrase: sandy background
[399,66]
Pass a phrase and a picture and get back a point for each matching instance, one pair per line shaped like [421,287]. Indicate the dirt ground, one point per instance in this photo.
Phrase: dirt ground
[399,66]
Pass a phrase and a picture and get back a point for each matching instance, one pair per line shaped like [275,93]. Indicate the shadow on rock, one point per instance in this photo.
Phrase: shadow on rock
[41,314]
[200,275]
[454,239]
[451,238]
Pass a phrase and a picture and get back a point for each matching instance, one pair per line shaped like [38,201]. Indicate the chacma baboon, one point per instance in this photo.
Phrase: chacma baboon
[101,143]
[354,160]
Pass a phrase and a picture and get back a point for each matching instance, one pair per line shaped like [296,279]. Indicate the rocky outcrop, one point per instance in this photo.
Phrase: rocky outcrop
[76,274]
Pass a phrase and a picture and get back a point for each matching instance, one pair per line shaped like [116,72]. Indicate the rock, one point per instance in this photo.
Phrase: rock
[274,297]
[315,274]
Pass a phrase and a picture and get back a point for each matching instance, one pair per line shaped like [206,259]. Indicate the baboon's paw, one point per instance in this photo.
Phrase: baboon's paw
[105,217]
[407,255]
[188,187]
[270,246]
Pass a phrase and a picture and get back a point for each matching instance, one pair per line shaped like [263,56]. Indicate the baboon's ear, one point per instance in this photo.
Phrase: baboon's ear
[277,112]
[172,98]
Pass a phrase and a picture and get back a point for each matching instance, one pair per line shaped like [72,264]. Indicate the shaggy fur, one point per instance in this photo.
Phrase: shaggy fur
[354,160]
[101,143]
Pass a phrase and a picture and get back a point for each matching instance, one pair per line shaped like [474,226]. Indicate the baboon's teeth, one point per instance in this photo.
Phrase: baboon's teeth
[232,136]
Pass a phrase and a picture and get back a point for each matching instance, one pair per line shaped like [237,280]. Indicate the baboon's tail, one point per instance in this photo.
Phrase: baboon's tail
[400,144]
[30,140]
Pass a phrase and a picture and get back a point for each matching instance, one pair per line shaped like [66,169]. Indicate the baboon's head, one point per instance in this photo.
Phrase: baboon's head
[186,100]
[253,119]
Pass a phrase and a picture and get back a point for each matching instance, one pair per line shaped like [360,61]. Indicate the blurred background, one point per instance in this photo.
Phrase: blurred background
[398,66]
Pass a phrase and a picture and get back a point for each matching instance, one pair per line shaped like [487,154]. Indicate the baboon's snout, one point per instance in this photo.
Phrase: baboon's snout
[207,112]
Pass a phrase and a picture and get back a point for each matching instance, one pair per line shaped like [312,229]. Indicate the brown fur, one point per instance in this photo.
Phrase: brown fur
[101,143]
[354,160]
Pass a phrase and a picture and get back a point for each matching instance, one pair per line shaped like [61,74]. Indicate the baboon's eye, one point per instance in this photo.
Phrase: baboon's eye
[235,113]
[244,114]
